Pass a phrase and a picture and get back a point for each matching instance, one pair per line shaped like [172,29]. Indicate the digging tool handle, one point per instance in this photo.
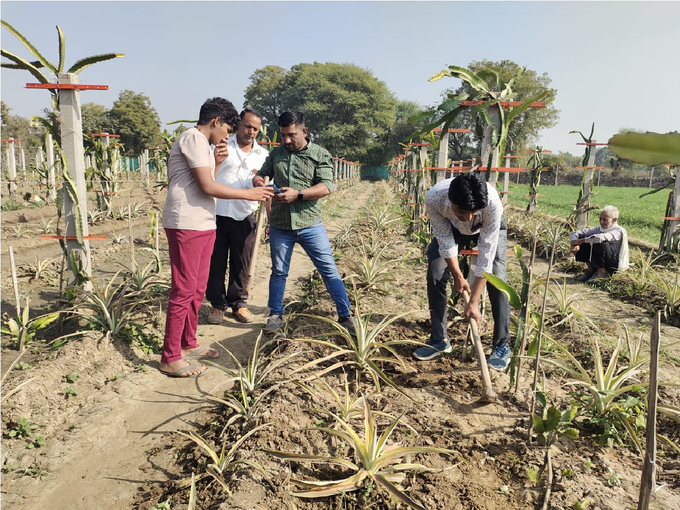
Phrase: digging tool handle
[261,213]
[488,395]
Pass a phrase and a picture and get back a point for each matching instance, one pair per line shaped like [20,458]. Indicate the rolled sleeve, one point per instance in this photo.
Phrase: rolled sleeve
[436,203]
[267,169]
[487,244]
[324,171]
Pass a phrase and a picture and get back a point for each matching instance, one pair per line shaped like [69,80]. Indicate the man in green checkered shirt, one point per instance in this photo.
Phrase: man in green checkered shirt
[303,172]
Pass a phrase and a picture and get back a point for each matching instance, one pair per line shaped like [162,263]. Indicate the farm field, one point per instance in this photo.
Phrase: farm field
[641,217]
[106,422]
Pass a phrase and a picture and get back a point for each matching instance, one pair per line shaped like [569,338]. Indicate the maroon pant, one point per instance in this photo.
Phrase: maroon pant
[190,252]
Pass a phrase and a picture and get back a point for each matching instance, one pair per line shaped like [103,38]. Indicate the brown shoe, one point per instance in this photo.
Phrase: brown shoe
[244,315]
[216,316]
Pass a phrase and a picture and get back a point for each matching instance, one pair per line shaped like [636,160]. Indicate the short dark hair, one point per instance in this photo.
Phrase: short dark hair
[289,118]
[250,111]
[218,107]
[468,192]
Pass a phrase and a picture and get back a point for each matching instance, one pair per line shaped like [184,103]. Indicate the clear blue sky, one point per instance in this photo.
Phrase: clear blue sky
[612,63]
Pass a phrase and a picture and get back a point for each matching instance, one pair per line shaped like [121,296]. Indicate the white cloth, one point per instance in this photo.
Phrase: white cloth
[186,206]
[616,235]
[237,171]
[486,222]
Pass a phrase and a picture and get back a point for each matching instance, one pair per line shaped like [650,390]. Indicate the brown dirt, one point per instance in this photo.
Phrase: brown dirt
[114,443]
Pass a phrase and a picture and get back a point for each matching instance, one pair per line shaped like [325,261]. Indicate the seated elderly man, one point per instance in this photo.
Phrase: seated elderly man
[604,248]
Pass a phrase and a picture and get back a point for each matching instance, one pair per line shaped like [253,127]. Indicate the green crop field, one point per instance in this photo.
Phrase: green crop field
[641,217]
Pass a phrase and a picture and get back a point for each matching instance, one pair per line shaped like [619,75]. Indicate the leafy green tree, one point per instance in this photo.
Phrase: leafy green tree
[264,95]
[15,126]
[95,118]
[348,110]
[136,121]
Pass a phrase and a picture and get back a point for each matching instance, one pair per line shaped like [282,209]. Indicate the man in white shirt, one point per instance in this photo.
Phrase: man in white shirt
[464,209]
[236,224]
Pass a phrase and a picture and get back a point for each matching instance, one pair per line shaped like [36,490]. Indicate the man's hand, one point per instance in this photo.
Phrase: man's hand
[472,312]
[221,153]
[575,249]
[260,194]
[286,196]
[461,285]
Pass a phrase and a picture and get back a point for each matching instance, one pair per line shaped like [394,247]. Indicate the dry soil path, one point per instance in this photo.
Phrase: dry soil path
[102,458]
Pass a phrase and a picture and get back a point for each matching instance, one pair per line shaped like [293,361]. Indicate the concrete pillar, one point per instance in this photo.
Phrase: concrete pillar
[11,160]
[22,156]
[76,206]
[494,113]
[675,213]
[506,181]
[443,157]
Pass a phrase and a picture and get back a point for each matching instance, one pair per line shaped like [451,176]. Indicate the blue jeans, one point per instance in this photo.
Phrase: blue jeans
[438,275]
[314,241]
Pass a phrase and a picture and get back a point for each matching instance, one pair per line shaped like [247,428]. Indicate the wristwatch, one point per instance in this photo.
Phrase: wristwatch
[300,196]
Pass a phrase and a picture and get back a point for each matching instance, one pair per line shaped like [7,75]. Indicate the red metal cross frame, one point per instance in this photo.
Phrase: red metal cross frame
[66,86]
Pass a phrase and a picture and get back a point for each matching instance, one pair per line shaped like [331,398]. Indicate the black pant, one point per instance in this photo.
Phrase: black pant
[234,240]
[438,275]
[599,255]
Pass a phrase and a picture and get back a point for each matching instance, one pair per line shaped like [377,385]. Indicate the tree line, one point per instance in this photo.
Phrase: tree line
[349,111]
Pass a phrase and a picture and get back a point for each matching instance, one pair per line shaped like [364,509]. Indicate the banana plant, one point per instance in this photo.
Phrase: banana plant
[35,67]
[489,97]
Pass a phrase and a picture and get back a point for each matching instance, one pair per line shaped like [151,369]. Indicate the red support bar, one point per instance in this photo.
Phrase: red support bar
[469,252]
[10,140]
[505,104]
[457,130]
[531,150]
[104,135]
[66,86]
[420,144]
[671,218]
[268,143]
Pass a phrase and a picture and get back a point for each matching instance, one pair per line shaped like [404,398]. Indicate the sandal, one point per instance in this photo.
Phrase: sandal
[201,352]
[182,372]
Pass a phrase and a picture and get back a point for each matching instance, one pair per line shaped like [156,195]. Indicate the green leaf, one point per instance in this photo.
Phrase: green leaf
[62,50]
[44,321]
[468,76]
[85,62]
[533,347]
[539,426]
[553,419]
[439,75]
[29,47]
[506,288]
[572,433]
[518,251]
[568,415]
[25,64]
[647,148]
[540,398]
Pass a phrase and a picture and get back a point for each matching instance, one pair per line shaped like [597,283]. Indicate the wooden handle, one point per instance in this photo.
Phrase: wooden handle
[488,395]
[261,213]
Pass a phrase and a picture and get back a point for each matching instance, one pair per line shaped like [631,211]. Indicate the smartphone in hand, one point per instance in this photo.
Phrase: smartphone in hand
[274,188]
